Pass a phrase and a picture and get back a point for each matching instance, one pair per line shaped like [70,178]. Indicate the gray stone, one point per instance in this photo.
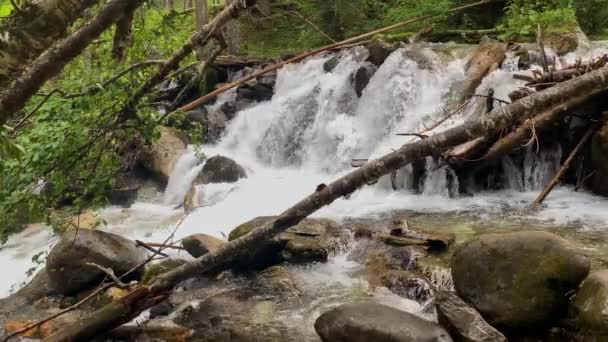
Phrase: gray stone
[463,321]
[378,51]
[362,76]
[200,244]
[366,322]
[591,302]
[220,169]
[518,280]
[67,267]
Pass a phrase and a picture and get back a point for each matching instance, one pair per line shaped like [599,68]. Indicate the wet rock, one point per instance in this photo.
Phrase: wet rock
[44,330]
[276,281]
[309,241]
[407,284]
[67,262]
[375,322]
[220,169]
[236,315]
[599,162]
[361,77]
[330,64]
[421,57]
[518,280]
[379,50]
[87,220]
[159,268]
[591,302]
[398,258]
[255,92]
[160,158]
[562,43]
[462,320]
[201,244]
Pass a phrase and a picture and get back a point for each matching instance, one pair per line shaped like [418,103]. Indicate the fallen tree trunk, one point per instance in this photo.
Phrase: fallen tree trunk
[54,59]
[500,118]
[485,59]
[28,32]
[302,56]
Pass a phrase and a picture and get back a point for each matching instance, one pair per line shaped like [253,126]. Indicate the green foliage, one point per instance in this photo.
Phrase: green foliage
[76,146]
[5,8]
[593,16]
[523,17]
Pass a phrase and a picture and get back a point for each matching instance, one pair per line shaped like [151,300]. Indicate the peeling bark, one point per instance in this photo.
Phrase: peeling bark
[29,32]
[500,118]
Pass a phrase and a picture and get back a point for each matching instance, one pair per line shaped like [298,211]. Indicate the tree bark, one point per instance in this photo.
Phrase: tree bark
[498,119]
[122,36]
[54,59]
[29,32]
[201,15]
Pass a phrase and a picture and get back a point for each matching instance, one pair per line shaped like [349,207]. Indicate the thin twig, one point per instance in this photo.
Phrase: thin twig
[148,247]
[110,273]
[17,7]
[493,98]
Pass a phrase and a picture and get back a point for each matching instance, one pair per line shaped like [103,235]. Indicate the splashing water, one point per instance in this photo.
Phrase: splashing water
[308,133]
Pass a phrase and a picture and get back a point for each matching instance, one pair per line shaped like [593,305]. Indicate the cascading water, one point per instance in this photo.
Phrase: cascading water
[308,133]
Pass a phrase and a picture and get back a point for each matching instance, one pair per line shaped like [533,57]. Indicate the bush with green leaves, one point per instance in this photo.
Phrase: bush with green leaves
[522,18]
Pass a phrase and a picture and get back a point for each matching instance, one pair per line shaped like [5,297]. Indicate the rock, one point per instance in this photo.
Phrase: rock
[361,77]
[255,92]
[562,43]
[66,263]
[591,302]
[237,316]
[599,162]
[407,284]
[220,169]
[312,240]
[87,220]
[160,158]
[518,280]
[28,316]
[375,322]
[330,64]
[156,269]
[201,244]
[276,281]
[379,50]
[462,320]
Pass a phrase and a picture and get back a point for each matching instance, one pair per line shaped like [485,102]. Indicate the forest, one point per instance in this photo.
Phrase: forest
[304,170]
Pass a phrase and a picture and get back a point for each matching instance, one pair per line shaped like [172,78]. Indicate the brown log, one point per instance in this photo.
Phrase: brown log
[240,62]
[543,195]
[540,37]
[487,57]
[500,118]
[302,56]
[50,63]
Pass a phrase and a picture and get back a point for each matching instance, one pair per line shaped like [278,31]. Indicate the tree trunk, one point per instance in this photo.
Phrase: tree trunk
[201,15]
[54,59]
[122,36]
[27,33]
[589,84]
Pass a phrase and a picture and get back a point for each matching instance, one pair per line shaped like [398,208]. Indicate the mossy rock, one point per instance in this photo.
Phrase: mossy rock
[248,226]
[599,162]
[591,302]
[519,280]
[155,270]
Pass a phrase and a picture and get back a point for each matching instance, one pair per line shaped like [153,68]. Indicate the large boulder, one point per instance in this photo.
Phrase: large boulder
[518,280]
[379,50]
[312,240]
[365,322]
[220,169]
[591,302]
[161,157]
[67,267]
[200,244]
[462,320]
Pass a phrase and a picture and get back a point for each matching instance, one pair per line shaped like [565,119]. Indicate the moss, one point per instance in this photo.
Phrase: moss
[157,269]
[239,231]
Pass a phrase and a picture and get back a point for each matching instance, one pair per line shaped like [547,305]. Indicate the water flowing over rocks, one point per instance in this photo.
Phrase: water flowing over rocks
[365,322]
[67,267]
[518,280]
[463,321]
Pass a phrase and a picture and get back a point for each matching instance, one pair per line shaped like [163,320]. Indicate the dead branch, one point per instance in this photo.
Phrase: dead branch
[109,317]
[540,37]
[543,195]
[110,274]
[148,247]
[304,55]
